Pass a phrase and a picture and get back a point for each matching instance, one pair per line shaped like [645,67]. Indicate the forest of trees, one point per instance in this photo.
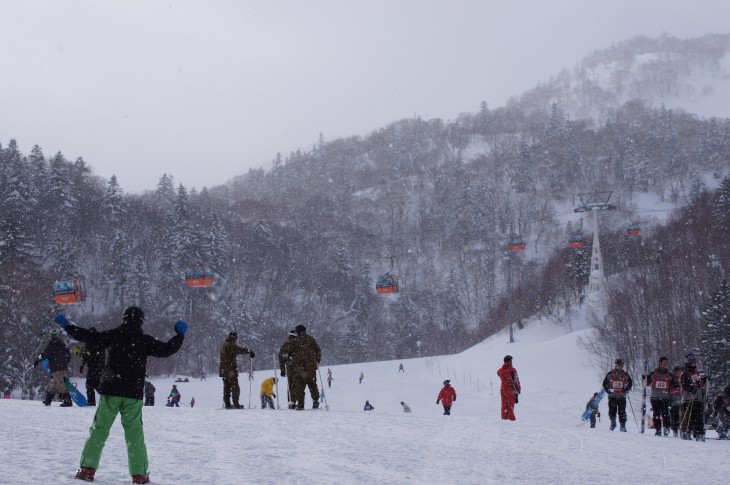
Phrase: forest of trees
[304,241]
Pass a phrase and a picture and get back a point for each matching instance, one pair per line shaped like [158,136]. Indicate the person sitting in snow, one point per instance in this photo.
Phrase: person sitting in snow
[406,408]
[173,400]
[368,406]
[446,397]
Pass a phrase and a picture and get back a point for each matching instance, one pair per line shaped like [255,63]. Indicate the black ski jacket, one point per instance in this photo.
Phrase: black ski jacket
[57,354]
[93,358]
[129,348]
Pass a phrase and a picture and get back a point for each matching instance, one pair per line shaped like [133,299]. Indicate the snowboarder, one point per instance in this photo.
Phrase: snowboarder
[122,387]
[368,406]
[8,389]
[173,400]
[446,396]
[267,392]
[660,381]
[510,388]
[229,370]
[305,359]
[692,424]
[721,406]
[406,407]
[58,357]
[401,369]
[149,394]
[617,385]
[595,413]
[93,357]
[362,376]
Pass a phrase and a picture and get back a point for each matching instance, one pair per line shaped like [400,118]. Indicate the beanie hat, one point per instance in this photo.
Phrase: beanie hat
[619,361]
[133,314]
[233,336]
[690,358]
[508,358]
[292,333]
[300,329]
[446,382]
[53,333]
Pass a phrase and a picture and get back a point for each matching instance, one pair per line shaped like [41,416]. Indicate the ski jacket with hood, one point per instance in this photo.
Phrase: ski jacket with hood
[510,379]
[57,354]
[447,395]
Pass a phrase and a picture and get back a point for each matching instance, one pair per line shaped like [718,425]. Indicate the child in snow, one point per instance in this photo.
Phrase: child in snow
[122,387]
[267,393]
[594,409]
[446,397]
[406,408]
[368,406]
[173,400]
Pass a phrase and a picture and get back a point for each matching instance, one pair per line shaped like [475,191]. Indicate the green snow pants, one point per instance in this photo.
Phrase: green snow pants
[106,413]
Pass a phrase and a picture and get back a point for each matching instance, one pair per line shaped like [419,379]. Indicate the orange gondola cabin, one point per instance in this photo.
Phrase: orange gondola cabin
[386,283]
[199,277]
[633,230]
[576,240]
[70,291]
[516,243]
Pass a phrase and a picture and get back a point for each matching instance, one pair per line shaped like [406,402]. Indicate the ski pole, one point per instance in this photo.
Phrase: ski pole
[250,381]
[288,387]
[628,398]
[276,382]
[326,406]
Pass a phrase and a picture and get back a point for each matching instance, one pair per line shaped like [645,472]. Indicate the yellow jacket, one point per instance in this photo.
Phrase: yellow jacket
[267,387]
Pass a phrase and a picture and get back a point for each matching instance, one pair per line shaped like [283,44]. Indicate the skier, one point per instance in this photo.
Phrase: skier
[446,396]
[122,387]
[660,381]
[93,357]
[510,388]
[149,393]
[304,362]
[229,370]
[368,406]
[721,407]
[401,369]
[58,357]
[329,380]
[192,402]
[693,394]
[285,358]
[595,413]
[362,376]
[617,385]
[7,389]
[267,392]
[173,400]
[406,407]
[675,398]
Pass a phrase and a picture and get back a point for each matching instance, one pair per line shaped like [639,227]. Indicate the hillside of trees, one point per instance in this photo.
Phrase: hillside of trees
[304,241]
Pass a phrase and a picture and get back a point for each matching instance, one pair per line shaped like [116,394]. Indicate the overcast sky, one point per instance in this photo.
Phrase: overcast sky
[204,90]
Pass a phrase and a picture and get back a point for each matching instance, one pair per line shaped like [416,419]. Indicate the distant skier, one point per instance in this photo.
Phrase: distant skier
[401,369]
[617,385]
[368,406]
[329,380]
[173,400]
[267,393]
[93,357]
[446,397]
[660,381]
[693,393]
[510,388]
[8,389]
[202,376]
[721,406]
[362,376]
[595,413]
[58,357]
[192,403]
[122,387]
[149,394]
[406,407]
[229,370]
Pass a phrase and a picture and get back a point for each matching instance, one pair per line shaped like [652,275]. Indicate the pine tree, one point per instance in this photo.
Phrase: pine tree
[721,209]
[715,336]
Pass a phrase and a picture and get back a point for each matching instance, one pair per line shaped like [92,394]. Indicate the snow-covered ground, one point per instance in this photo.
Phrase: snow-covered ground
[208,445]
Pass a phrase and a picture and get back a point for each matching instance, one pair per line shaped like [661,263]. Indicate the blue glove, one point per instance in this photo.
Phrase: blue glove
[61,320]
[181,327]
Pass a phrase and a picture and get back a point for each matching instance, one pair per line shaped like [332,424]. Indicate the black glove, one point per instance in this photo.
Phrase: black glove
[438,402]
[454,398]
[643,376]
[283,374]
[252,354]
[318,360]
[273,395]
[517,398]
[37,361]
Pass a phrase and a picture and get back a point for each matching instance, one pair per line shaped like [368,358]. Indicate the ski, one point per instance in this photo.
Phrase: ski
[643,394]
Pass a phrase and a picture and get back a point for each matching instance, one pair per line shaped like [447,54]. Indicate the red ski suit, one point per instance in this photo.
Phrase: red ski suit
[447,395]
[509,390]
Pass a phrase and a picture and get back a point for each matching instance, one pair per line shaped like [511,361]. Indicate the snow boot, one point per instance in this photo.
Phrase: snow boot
[658,432]
[66,400]
[623,427]
[86,474]
[315,405]
[613,425]
[140,479]
[91,399]
[49,398]
[666,431]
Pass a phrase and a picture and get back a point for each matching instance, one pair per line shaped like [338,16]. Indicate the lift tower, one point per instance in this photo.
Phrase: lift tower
[594,202]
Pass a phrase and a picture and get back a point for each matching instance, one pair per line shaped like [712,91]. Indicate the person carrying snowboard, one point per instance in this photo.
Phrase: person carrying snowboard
[446,397]
[173,400]
[510,388]
[267,393]
[617,385]
[58,357]
[122,387]
[660,381]
[693,398]
[93,357]
[593,406]
[228,370]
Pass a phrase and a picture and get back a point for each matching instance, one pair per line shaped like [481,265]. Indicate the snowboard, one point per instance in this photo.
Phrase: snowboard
[596,400]
[76,396]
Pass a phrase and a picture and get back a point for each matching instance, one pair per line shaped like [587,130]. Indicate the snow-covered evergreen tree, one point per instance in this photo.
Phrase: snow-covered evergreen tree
[715,335]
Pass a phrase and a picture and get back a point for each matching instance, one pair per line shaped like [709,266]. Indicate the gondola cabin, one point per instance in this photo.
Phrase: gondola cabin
[516,243]
[576,241]
[70,291]
[199,277]
[633,230]
[386,283]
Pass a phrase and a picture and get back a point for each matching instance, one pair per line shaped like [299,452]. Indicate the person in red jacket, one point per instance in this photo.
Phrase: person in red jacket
[446,397]
[510,388]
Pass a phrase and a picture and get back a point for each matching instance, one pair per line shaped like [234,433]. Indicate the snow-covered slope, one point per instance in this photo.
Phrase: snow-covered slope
[347,445]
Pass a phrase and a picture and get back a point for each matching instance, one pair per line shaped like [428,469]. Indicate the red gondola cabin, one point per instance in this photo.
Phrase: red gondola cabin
[386,283]
[633,230]
[576,241]
[199,277]
[516,243]
[70,291]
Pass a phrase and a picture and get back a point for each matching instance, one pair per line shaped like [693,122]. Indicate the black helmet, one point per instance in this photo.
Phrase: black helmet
[508,358]
[233,336]
[619,361]
[133,314]
[300,329]
[447,382]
